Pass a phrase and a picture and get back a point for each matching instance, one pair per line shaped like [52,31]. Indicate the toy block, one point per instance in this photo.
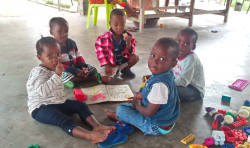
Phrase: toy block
[215,124]
[188,139]
[228,146]
[242,120]
[197,146]
[79,95]
[229,134]
[226,97]
[223,112]
[246,103]
[237,142]
[236,124]
[239,84]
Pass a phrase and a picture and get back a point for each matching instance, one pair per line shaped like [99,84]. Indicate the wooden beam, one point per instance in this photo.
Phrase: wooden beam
[227,10]
[141,17]
[191,15]
[209,12]
[166,15]
[169,7]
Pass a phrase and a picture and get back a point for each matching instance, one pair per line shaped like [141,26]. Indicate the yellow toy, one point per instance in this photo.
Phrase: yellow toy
[197,146]
[143,84]
[188,139]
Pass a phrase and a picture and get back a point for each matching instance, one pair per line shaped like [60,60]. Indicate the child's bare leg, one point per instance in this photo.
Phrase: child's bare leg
[131,11]
[112,115]
[94,137]
[105,79]
[80,79]
[133,59]
[97,127]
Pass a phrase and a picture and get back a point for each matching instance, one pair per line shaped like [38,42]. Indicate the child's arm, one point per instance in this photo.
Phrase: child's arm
[101,51]
[45,88]
[148,111]
[187,74]
[130,43]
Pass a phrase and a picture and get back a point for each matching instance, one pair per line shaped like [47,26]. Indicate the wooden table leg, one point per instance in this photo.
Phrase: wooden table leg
[84,4]
[227,10]
[191,17]
[141,17]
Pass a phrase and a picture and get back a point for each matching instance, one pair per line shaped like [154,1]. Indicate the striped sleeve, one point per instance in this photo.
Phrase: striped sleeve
[46,88]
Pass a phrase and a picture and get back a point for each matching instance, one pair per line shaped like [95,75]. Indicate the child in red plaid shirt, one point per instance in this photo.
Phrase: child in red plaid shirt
[115,48]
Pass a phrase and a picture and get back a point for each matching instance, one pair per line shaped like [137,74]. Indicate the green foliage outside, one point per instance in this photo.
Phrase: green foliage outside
[244,7]
[62,5]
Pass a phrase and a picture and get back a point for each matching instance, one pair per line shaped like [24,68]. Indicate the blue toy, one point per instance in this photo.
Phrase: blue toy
[114,138]
[226,97]
[125,128]
[214,31]
[246,130]
[246,103]
[228,146]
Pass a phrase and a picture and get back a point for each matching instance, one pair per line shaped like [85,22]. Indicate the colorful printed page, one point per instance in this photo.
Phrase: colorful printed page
[102,93]
[119,92]
[96,94]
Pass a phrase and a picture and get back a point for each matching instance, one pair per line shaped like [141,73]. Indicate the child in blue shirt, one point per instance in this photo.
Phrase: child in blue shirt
[155,110]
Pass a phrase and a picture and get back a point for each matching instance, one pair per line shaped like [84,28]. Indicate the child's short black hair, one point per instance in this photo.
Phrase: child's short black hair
[56,20]
[190,32]
[44,40]
[119,12]
[169,42]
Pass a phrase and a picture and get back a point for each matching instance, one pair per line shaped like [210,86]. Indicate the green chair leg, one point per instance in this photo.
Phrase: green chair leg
[88,19]
[95,15]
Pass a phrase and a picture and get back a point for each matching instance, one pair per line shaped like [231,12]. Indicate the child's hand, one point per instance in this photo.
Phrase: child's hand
[80,73]
[147,77]
[108,69]
[137,97]
[59,67]
[135,102]
[85,71]
[128,42]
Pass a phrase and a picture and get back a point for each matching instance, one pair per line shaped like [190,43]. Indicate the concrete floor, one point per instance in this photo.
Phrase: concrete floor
[224,56]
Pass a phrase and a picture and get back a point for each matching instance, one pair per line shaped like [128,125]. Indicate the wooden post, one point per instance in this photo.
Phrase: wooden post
[84,5]
[59,5]
[141,17]
[227,10]
[191,17]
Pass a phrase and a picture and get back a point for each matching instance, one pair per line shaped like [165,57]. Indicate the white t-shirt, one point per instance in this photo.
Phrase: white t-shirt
[189,70]
[158,94]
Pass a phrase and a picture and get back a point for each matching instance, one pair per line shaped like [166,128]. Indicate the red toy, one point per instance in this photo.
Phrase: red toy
[223,112]
[236,124]
[79,95]
[239,135]
[229,134]
[215,124]
[242,120]
[237,142]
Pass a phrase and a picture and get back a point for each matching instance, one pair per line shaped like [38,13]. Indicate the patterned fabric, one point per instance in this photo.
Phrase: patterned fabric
[71,57]
[104,48]
[167,127]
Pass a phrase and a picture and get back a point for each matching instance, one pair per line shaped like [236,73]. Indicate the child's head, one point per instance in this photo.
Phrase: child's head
[59,29]
[187,40]
[117,21]
[163,55]
[48,52]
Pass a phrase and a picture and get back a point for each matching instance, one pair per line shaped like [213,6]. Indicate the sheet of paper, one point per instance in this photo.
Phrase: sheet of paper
[119,92]
[96,94]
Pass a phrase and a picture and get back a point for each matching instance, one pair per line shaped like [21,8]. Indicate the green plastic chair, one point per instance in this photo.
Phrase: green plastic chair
[96,6]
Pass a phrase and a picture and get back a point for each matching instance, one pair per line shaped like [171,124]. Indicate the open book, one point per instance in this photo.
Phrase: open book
[104,93]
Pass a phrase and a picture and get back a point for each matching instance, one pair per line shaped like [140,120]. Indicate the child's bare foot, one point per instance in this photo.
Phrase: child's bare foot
[96,137]
[134,14]
[104,128]
[112,115]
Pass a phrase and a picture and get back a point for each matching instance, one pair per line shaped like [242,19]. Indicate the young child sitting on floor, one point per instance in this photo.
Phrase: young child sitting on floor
[189,74]
[75,66]
[156,109]
[47,102]
[115,48]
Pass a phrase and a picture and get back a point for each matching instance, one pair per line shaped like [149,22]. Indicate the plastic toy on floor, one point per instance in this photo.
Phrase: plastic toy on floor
[215,124]
[229,134]
[246,103]
[219,137]
[197,146]
[237,142]
[79,95]
[188,139]
[239,84]
[229,118]
[216,116]
[228,146]
[246,130]
[239,135]
[226,97]
[236,124]
[114,138]
[223,112]
[208,141]
[244,112]
[33,146]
